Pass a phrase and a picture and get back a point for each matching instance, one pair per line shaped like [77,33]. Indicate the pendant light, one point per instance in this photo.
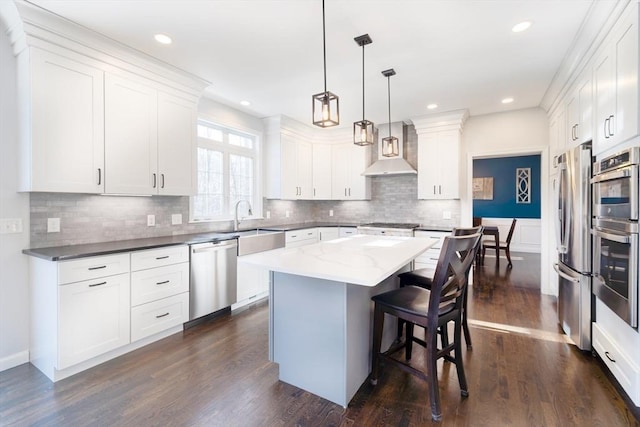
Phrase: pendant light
[326,111]
[364,130]
[390,146]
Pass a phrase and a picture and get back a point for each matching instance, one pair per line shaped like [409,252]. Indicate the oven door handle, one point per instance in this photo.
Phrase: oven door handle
[620,238]
[564,275]
[616,174]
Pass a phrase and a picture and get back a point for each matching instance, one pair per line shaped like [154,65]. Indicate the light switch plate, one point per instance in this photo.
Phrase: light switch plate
[268,214]
[287,214]
[10,225]
[176,219]
[151,220]
[446,214]
[330,212]
[53,225]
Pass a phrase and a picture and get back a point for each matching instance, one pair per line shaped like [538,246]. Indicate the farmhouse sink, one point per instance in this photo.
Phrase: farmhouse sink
[253,241]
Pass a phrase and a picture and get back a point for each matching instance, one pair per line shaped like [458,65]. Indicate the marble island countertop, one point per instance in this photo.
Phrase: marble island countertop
[360,259]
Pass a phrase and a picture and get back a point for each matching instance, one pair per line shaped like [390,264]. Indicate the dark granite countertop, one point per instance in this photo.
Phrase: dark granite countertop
[61,253]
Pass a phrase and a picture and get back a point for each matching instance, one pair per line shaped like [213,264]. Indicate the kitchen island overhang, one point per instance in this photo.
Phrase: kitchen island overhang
[320,311]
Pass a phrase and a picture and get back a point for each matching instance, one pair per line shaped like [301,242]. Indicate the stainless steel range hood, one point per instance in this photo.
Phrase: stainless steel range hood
[390,165]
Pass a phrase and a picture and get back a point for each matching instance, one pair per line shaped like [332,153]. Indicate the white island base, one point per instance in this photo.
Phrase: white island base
[320,333]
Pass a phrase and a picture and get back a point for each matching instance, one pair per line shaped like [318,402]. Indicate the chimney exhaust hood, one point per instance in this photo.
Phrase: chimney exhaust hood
[391,165]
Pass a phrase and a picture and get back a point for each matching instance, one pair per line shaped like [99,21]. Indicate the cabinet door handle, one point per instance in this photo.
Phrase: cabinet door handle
[97,284]
[349,192]
[606,353]
[434,189]
[314,192]
[163,282]
[162,180]
[604,128]
[99,176]
[439,189]
[345,192]
[154,180]
[162,315]
[609,125]
[98,268]
[162,257]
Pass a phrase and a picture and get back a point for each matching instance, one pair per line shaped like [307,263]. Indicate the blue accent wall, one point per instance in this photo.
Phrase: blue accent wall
[503,171]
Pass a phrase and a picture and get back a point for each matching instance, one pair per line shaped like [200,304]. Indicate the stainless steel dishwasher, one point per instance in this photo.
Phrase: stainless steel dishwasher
[213,277]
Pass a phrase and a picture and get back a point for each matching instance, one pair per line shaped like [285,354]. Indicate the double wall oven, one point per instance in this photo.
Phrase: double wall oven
[615,232]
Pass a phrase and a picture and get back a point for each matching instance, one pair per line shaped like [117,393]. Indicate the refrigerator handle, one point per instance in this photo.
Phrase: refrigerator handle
[562,220]
[565,275]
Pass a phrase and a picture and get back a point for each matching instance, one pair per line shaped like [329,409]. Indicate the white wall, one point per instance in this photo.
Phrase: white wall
[516,132]
[14,291]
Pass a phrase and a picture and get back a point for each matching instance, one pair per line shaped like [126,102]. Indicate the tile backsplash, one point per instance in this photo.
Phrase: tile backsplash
[93,218]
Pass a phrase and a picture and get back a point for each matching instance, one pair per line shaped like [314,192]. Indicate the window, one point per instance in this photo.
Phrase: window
[228,162]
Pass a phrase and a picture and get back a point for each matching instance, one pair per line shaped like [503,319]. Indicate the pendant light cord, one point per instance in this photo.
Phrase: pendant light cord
[324,49]
[389,95]
[363,83]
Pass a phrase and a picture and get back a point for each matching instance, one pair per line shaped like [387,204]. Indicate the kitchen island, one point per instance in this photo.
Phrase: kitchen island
[320,312]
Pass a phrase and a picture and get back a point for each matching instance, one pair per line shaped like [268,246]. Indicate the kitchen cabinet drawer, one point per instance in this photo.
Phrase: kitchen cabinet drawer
[151,318]
[621,366]
[93,318]
[158,257]
[299,235]
[348,231]
[157,283]
[429,257]
[92,267]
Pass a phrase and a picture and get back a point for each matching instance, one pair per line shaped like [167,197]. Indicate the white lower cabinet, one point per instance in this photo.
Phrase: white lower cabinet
[159,290]
[429,259]
[618,345]
[253,282]
[328,233]
[348,231]
[157,316]
[93,319]
[89,310]
[303,237]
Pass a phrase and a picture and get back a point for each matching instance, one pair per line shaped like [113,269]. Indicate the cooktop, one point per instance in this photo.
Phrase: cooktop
[408,226]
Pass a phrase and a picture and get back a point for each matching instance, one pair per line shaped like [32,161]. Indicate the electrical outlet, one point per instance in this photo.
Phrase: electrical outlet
[268,214]
[151,220]
[53,225]
[330,212]
[446,214]
[10,225]
[287,214]
[176,219]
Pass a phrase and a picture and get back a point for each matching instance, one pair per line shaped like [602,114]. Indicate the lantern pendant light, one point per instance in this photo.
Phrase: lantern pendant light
[364,130]
[325,105]
[390,146]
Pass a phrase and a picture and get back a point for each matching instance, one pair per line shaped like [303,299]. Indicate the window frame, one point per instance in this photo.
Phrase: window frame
[228,149]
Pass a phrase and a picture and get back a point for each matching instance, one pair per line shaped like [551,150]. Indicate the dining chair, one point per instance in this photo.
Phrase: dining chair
[505,246]
[430,309]
[423,277]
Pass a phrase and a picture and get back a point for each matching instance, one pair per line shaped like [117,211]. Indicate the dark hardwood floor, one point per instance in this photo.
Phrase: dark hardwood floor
[521,372]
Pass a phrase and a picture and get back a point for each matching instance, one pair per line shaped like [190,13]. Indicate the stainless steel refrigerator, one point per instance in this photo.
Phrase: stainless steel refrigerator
[573,243]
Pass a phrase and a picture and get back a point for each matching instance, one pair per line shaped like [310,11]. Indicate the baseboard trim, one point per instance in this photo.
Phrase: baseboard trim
[14,360]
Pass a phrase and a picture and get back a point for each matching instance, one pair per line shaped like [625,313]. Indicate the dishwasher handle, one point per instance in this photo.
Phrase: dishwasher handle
[214,246]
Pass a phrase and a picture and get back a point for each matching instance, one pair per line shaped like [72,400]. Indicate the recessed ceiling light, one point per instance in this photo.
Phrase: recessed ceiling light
[245,103]
[507,100]
[432,106]
[162,38]
[522,26]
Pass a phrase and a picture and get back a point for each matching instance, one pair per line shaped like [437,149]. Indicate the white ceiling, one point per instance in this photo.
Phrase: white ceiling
[456,53]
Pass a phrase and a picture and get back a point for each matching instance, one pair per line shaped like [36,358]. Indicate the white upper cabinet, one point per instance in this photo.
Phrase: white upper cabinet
[177,146]
[97,117]
[322,171]
[439,139]
[288,160]
[149,140]
[131,137]
[579,111]
[348,161]
[616,84]
[64,104]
